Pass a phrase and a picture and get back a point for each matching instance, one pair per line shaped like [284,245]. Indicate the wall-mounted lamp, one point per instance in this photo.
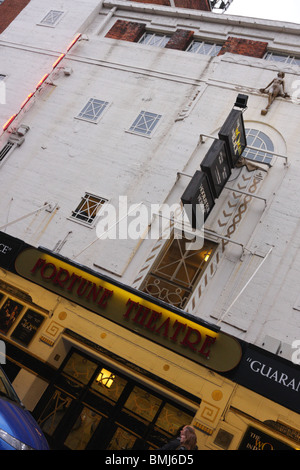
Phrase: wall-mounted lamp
[105,378]
[241,101]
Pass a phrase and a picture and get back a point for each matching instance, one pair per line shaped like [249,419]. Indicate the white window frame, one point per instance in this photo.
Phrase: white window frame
[260,155]
[78,214]
[145,124]
[282,58]
[93,110]
[55,21]
[150,38]
[198,46]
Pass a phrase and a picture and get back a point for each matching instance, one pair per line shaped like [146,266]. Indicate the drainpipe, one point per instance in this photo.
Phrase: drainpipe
[106,20]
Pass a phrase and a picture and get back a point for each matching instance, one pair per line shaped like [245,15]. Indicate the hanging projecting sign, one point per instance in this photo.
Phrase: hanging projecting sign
[216,166]
[233,134]
[198,199]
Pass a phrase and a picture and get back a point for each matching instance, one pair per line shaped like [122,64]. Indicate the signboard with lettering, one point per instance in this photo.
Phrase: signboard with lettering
[216,166]
[272,377]
[198,199]
[233,134]
[174,330]
[254,439]
[27,327]
[9,248]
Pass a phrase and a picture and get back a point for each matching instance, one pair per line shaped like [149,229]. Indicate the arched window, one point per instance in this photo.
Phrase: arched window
[260,141]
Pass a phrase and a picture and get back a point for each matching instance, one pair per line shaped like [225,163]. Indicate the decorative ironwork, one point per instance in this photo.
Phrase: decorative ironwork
[177,271]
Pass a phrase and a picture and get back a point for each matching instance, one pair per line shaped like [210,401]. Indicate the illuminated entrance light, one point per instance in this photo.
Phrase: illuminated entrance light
[105,378]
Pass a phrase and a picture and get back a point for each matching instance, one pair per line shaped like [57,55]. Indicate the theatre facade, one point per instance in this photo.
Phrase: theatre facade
[104,366]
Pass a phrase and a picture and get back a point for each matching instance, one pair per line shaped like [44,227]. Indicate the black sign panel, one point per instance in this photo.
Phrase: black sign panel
[234,136]
[254,439]
[198,192]
[9,249]
[270,376]
[26,329]
[216,166]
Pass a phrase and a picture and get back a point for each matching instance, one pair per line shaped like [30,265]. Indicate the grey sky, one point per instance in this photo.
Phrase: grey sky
[288,10]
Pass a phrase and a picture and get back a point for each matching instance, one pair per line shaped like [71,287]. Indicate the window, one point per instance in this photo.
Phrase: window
[93,110]
[260,141]
[52,18]
[154,39]
[88,208]
[145,123]
[177,271]
[206,48]
[283,58]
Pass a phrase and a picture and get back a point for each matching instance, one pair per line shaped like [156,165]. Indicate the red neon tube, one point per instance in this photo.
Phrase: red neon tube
[58,60]
[74,41]
[7,124]
[26,101]
[42,81]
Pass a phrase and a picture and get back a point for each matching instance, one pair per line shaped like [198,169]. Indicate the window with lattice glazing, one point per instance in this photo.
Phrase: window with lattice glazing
[258,144]
[88,208]
[178,270]
[283,58]
[52,18]
[205,48]
[154,39]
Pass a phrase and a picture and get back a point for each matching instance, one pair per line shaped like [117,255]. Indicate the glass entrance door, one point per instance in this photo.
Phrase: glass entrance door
[90,406]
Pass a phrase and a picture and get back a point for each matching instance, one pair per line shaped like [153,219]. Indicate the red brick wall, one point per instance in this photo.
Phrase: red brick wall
[126,30]
[192,4]
[180,39]
[155,2]
[9,9]
[244,47]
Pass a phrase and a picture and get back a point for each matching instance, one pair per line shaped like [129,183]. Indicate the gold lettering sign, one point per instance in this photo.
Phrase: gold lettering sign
[125,307]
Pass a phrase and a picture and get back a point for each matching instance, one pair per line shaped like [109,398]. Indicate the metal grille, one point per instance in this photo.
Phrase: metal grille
[177,271]
[283,58]
[4,151]
[93,110]
[145,123]
[206,48]
[262,143]
[87,210]
[153,39]
[52,17]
